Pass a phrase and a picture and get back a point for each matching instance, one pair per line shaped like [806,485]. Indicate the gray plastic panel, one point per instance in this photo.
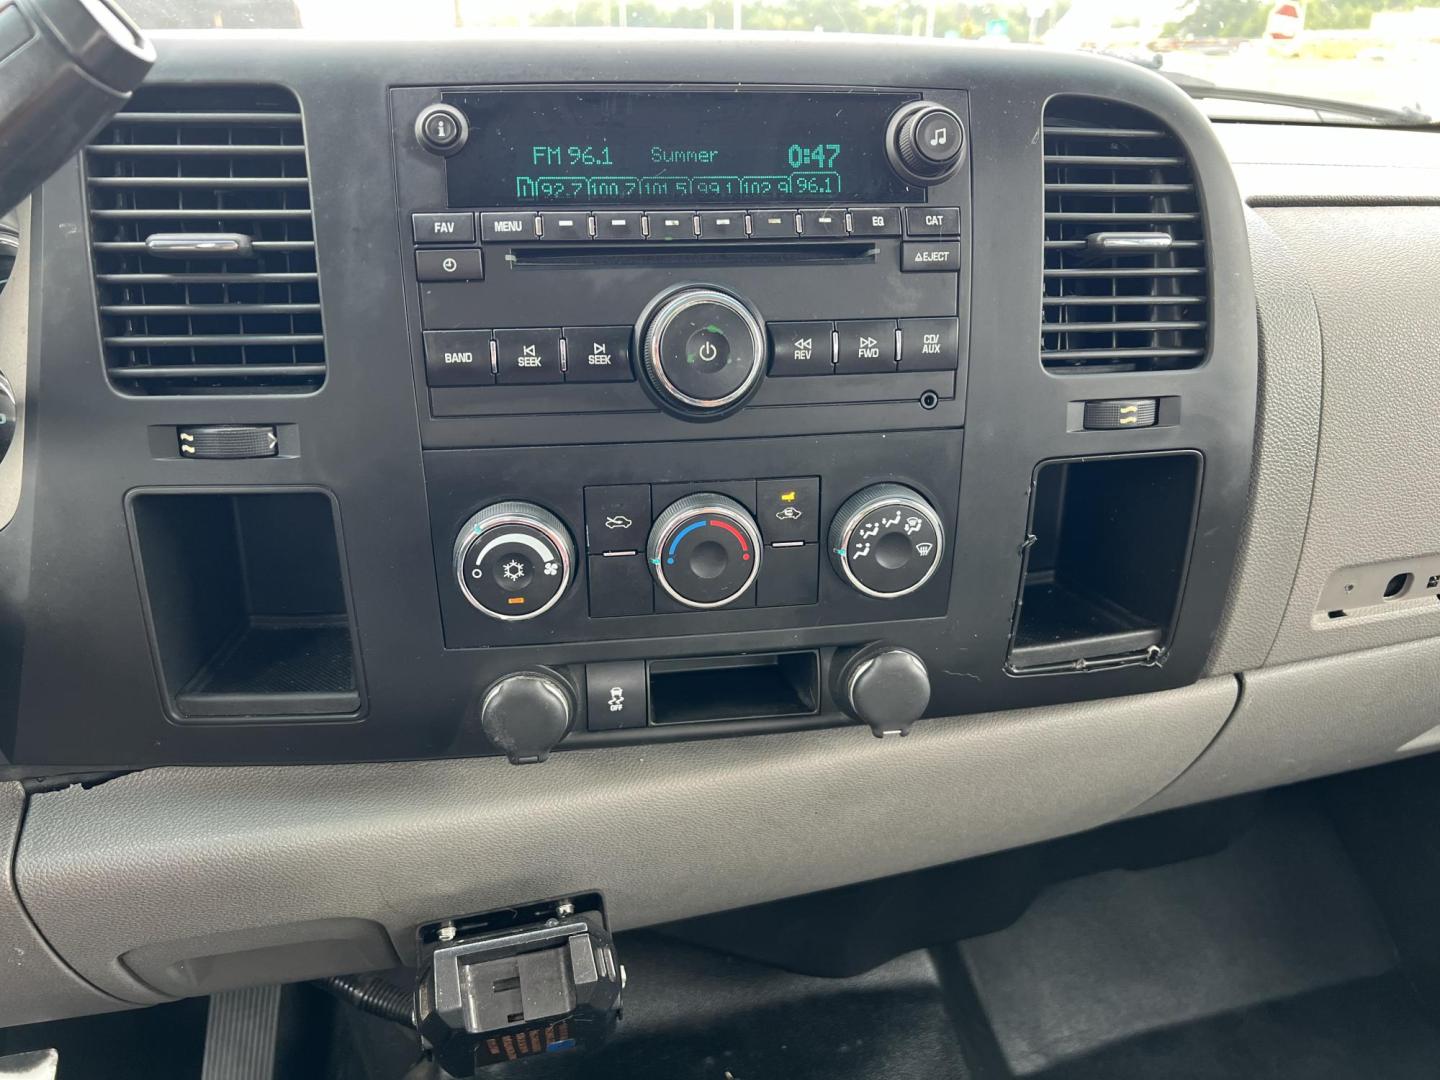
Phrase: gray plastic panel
[1287,433]
[35,984]
[1311,719]
[677,830]
[1375,276]
[1314,164]
[14,338]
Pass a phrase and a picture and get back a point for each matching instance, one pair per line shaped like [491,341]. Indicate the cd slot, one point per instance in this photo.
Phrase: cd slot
[684,253]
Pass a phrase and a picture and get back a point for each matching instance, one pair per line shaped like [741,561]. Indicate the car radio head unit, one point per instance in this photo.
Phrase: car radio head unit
[695,147]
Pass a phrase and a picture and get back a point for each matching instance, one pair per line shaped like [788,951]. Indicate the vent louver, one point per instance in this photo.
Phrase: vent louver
[244,317]
[1125,282]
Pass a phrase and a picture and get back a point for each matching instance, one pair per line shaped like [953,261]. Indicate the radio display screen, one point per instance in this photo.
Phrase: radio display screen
[675,148]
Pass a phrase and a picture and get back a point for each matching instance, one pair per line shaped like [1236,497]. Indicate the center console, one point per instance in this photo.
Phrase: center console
[661,391]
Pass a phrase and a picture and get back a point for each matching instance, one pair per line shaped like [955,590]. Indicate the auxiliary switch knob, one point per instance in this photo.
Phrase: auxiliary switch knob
[525,714]
[886,541]
[514,561]
[704,550]
[884,686]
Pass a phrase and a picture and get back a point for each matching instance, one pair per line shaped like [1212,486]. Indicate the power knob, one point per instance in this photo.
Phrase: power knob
[925,142]
[514,560]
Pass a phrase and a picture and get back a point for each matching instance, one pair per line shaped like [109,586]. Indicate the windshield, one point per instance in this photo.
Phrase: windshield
[1384,54]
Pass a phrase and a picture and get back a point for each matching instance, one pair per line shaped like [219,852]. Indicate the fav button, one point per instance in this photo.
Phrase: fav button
[458,358]
[788,510]
[865,346]
[801,348]
[443,228]
[597,354]
[527,356]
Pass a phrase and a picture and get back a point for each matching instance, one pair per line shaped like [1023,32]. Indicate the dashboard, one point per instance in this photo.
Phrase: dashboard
[660,394]
[678,410]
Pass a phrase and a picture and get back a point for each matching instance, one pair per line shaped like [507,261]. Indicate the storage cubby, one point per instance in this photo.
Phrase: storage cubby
[246,601]
[1109,544]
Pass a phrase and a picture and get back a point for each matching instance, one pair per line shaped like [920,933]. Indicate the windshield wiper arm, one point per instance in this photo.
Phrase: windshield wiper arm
[1202,89]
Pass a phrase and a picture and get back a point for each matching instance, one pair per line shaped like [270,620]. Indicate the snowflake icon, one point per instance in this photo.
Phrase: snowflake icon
[513,570]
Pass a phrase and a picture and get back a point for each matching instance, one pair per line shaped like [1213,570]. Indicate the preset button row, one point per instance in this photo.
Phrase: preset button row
[864,346]
[567,226]
[514,357]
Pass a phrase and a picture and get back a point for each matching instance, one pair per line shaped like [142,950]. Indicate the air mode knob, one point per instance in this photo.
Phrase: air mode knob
[704,550]
[514,560]
[925,142]
[886,541]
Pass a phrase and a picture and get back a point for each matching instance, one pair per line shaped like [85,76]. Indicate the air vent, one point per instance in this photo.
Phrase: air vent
[203,244]
[1125,286]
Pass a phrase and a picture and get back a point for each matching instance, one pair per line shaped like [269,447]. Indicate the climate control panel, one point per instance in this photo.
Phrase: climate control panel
[540,546]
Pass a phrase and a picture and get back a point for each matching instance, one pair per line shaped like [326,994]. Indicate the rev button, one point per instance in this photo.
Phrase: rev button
[597,354]
[801,348]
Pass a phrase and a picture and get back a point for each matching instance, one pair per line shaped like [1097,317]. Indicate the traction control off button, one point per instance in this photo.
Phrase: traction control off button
[615,695]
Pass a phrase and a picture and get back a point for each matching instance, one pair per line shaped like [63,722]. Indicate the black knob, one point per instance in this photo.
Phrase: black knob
[704,550]
[442,129]
[524,715]
[884,686]
[925,142]
[886,541]
[703,351]
[513,560]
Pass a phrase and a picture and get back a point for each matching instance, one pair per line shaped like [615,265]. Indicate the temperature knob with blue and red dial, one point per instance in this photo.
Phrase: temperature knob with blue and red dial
[704,550]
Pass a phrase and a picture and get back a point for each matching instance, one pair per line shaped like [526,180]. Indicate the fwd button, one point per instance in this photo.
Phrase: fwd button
[597,354]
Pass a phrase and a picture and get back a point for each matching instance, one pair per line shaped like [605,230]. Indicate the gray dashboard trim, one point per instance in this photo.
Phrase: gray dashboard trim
[1287,432]
[35,984]
[1311,719]
[665,832]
